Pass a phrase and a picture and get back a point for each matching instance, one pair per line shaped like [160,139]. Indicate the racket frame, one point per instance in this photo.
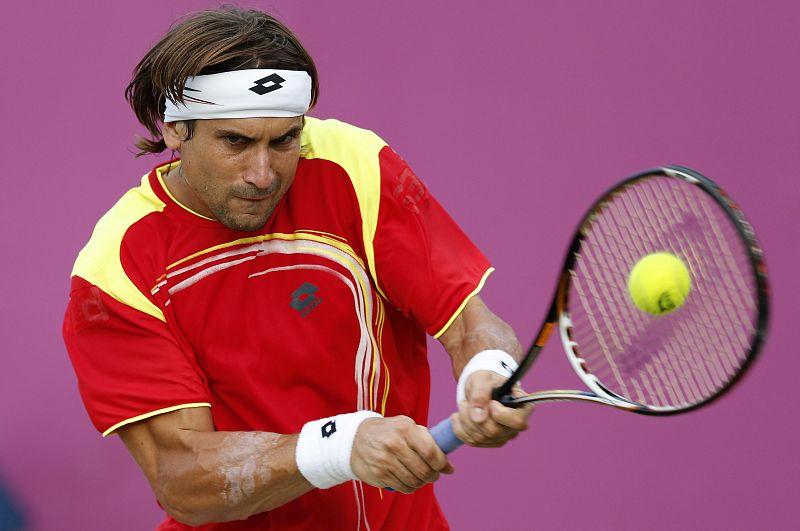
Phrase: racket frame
[558,314]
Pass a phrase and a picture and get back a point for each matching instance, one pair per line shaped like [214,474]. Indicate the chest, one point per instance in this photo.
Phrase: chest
[286,300]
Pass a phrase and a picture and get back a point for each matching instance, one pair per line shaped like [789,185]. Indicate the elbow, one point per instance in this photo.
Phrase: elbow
[194,506]
[185,512]
[187,519]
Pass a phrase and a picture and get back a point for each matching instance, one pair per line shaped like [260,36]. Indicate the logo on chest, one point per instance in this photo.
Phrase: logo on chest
[304,299]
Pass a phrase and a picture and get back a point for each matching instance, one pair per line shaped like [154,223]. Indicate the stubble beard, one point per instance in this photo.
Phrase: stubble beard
[246,222]
[243,222]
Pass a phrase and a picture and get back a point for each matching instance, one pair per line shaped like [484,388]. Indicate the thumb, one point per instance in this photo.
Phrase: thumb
[479,395]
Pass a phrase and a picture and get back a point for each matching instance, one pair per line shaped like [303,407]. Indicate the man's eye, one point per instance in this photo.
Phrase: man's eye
[233,140]
[287,140]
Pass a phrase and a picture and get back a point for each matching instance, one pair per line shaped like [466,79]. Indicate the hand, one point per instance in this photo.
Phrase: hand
[484,422]
[397,453]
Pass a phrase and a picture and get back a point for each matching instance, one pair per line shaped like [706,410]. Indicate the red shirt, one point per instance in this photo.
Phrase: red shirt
[322,311]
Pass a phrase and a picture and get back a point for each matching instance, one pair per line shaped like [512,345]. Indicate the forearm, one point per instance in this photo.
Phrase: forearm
[477,329]
[221,476]
[480,421]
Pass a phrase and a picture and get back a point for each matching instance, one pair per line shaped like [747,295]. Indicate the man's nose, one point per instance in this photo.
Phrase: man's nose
[259,172]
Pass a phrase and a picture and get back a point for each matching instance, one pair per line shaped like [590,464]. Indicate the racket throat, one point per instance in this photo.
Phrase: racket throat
[503,394]
[610,393]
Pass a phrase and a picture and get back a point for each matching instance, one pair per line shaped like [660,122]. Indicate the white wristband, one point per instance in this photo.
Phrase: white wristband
[324,447]
[488,360]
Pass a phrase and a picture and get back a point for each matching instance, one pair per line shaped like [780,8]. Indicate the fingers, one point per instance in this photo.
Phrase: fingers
[486,434]
[486,423]
[515,419]
[397,453]
[419,463]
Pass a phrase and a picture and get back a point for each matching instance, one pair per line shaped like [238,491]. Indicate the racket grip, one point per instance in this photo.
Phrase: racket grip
[445,437]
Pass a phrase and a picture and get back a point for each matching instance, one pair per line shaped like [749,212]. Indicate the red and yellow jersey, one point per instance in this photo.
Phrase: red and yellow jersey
[322,311]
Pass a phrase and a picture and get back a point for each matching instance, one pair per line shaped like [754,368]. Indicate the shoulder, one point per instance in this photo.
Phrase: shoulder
[339,141]
[100,262]
[110,230]
[358,153]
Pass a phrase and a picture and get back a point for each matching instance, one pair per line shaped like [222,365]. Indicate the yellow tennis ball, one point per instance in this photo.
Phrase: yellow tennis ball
[659,283]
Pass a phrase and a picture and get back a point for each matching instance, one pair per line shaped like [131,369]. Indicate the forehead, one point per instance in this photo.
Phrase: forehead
[251,127]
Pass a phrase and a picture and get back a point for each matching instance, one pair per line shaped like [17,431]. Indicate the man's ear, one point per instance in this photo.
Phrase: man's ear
[174,134]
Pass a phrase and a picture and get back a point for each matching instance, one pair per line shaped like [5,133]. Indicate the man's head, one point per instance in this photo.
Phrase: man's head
[234,170]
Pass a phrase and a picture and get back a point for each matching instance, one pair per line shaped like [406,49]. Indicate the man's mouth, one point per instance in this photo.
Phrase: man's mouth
[255,199]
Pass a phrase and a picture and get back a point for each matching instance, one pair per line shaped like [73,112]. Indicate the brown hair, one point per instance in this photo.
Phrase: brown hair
[208,42]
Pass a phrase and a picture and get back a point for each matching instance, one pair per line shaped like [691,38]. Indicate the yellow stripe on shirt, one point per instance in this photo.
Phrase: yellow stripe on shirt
[131,420]
[334,140]
[464,303]
[99,261]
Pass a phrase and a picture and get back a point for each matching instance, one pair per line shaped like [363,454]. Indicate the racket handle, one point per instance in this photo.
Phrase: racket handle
[445,437]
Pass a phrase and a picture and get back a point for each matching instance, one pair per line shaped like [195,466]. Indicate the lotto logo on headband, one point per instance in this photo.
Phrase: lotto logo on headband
[260,89]
[253,93]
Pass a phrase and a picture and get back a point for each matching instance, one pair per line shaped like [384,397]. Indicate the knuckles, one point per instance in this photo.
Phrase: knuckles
[398,453]
[430,455]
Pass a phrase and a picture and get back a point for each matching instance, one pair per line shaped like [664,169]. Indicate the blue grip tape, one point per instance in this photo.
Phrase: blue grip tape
[445,438]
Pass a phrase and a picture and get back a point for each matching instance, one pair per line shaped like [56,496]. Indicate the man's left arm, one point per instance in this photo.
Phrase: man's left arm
[481,421]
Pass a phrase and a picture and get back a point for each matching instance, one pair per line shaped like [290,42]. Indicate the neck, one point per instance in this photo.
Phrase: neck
[178,186]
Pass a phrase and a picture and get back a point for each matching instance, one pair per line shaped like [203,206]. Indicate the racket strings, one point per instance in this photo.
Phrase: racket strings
[732,307]
[684,357]
[689,225]
[697,219]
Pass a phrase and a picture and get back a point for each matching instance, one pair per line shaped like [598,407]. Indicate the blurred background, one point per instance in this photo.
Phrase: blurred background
[517,115]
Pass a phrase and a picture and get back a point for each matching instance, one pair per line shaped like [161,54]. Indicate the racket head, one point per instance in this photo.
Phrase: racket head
[682,360]
[670,363]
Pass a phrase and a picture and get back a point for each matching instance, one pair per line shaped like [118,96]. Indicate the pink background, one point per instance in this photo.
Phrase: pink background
[517,115]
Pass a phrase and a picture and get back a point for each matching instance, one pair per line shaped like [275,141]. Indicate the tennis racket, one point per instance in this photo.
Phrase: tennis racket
[629,359]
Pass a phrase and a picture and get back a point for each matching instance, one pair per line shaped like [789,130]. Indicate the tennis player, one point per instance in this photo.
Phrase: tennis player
[250,319]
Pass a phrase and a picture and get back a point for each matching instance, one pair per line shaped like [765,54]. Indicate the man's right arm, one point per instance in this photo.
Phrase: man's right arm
[200,475]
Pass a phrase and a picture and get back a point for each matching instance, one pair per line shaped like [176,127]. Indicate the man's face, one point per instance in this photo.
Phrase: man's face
[235,170]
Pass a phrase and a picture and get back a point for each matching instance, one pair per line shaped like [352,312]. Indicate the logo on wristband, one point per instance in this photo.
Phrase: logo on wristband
[328,429]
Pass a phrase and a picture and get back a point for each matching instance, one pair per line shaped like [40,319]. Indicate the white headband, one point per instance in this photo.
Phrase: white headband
[262,93]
